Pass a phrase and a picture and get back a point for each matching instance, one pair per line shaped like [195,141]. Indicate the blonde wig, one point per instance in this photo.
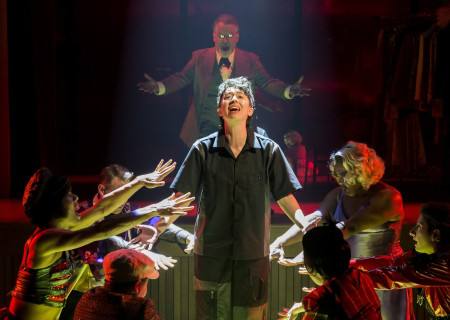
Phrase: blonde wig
[360,160]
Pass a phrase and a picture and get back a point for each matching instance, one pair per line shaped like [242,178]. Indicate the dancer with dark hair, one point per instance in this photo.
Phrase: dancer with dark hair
[49,270]
[343,292]
[235,170]
[427,266]
[369,213]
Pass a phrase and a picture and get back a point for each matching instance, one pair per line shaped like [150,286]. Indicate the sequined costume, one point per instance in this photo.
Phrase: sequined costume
[46,286]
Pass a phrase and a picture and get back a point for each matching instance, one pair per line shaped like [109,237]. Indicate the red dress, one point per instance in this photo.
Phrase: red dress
[398,273]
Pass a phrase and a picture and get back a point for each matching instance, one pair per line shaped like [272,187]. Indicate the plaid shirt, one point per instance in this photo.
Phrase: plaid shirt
[349,296]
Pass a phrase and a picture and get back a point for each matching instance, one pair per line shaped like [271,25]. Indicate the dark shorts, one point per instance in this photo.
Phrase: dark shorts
[226,283]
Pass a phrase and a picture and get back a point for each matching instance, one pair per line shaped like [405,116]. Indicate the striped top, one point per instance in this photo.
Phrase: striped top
[349,296]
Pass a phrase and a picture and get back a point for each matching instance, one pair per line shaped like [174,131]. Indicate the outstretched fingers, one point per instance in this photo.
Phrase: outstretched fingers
[184,199]
[163,169]
[146,76]
[302,270]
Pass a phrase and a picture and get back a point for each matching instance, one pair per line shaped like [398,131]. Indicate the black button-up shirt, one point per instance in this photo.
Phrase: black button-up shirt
[233,218]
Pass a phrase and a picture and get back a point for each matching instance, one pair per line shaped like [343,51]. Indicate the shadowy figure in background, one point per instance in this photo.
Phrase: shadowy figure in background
[235,170]
[113,177]
[208,68]
[123,295]
[343,292]
[49,270]
[369,213]
[296,154]
[427,267]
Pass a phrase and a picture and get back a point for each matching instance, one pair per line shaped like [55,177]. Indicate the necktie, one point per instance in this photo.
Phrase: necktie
[224,67]
[224,62]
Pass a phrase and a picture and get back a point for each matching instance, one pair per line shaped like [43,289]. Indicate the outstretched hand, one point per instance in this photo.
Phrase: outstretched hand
[276,251]
[190,244]
[149,86]
[160,260]
[174,205]
[291,314]
[302,270]
[292,262]
[154,179]
[145,239]
[298,90]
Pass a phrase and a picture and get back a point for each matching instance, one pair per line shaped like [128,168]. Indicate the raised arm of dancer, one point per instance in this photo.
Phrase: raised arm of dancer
[119,196]
[384,206]
[56,240]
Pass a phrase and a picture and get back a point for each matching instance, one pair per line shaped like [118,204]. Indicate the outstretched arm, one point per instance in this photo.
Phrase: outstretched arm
[57,240]
[114,199]
[292,209]
[295,234]
[293,312]
[386,205]
[149,86]
[434,274]
[297,90]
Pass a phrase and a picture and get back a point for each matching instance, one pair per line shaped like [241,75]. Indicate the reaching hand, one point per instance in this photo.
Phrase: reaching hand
[190,244]
[174,205]
[298,90]
[154,179]
[150,86]
[276,251]
[161,261]
[145,239]
[302,270]
[291,314]
[292,262]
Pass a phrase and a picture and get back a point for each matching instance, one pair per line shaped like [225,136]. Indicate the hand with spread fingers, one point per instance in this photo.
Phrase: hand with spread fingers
[292,313]
[154,179]
[298,90]
[160,260]
[145,239]
[173,205]
[149,86]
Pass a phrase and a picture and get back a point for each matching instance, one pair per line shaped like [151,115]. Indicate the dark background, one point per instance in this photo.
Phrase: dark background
[73,66]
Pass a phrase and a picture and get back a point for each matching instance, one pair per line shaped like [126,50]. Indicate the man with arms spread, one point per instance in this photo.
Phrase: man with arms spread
[208,68]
